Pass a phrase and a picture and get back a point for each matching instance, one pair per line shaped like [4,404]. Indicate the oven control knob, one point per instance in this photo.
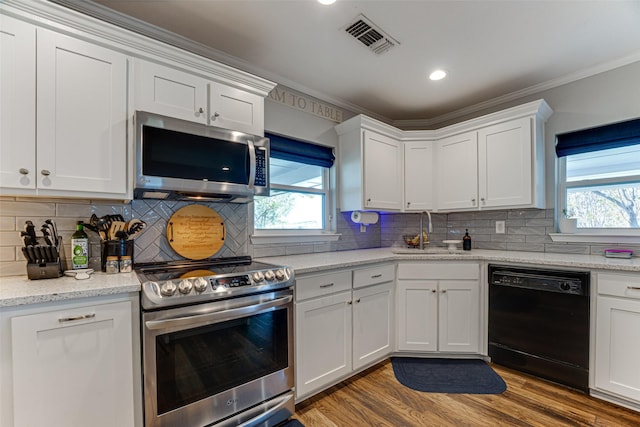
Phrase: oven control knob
[168,289]
[258,276]
[200,284]
[280,274]
[269,275]
[185,286]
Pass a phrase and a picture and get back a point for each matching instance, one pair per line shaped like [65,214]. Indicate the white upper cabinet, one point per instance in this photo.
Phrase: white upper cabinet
[370,171]
[505,164]
[457,172]
[171,92]
[496,165]
[82,116]
[418,176]
[17,104]
[73,96]
[491,162]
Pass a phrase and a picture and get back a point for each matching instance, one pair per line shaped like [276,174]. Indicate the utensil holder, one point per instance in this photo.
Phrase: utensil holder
[120,250]
[46,270]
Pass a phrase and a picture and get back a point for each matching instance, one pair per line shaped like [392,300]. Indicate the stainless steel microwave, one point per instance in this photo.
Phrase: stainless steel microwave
[176,159]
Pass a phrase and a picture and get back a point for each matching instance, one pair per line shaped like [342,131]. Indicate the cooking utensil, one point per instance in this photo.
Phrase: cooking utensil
[134,227]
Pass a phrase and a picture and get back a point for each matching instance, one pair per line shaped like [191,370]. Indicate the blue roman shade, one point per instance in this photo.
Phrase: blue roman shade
[294,150]
[615,135]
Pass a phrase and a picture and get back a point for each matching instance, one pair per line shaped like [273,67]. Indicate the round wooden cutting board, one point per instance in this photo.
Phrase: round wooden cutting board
[195,232]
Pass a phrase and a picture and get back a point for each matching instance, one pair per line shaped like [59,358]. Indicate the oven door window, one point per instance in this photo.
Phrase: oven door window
[171,154]
[197,363]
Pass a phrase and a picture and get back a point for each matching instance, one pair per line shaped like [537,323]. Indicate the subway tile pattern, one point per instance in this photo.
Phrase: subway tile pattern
[525,230]
[150,245]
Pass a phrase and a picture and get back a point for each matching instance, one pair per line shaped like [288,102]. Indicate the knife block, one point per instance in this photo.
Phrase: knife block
[46,270]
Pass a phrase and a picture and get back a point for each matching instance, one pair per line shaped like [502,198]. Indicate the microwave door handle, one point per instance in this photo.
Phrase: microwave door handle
[252,164]
[217,316]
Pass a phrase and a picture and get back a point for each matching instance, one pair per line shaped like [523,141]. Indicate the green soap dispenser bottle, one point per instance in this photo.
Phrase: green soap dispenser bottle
[466,241]
[79,248]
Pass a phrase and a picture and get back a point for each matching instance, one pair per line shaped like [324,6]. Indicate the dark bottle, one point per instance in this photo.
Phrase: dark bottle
[466,241]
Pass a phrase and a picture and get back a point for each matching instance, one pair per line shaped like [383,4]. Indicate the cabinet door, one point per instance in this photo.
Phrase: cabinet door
[373,323]
[82,114]
[459,316]
[235,109]
[17,104]
[457,172]
[74,367]
[323,341]
[618,346]
[170,92]
[505,164]
[382,172]
[418,175]
[418,315]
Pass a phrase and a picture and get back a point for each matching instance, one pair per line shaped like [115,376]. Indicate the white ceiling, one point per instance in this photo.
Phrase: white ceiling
[492,50]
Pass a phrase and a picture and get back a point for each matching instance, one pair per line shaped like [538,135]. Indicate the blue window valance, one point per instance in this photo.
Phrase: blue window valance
[599,138]
[294,150]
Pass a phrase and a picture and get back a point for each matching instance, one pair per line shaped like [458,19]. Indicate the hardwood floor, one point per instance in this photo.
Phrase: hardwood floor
[376,398]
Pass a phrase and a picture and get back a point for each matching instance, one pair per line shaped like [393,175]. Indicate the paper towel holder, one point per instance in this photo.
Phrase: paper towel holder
[364,218]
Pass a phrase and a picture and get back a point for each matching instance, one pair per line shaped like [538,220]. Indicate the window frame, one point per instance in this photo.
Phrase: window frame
[297,236]
[588,235]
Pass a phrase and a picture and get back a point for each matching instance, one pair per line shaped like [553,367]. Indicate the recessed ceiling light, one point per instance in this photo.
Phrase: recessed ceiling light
[438,75]
[326,2]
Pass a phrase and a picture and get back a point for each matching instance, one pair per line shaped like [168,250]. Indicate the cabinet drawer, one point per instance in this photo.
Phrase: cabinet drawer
[620,285]
[373,275]
[322,284]
[438,270]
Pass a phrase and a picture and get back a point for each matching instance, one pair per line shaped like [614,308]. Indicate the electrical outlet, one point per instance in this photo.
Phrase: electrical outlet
[500,227]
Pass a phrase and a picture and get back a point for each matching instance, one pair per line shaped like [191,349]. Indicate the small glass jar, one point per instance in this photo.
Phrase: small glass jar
[112,265]
[126,264]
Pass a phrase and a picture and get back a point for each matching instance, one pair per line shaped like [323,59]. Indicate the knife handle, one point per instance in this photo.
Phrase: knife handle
[26,254]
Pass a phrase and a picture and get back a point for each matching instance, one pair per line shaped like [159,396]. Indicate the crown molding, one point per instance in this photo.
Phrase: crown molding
[513,96]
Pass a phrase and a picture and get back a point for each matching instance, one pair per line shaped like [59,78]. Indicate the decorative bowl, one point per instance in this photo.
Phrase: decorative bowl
[413,240]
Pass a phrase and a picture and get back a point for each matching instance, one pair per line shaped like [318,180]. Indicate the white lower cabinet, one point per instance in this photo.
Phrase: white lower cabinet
[439,307]
[340,330]
[617,336]
[73,365]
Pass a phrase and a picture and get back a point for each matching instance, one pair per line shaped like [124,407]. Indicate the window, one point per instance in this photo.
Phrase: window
[299,180]
[599,178]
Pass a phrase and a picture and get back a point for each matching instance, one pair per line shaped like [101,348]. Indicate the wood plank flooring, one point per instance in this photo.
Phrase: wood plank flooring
[375,398]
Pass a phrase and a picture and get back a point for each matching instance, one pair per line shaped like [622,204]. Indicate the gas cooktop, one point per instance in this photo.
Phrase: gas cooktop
[172,283]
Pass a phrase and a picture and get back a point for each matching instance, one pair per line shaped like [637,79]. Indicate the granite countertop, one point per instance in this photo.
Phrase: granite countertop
[18,290]
[310,263]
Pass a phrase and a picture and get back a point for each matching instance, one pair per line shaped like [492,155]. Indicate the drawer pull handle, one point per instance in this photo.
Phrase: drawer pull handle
[328,285]
[80,317]
[376,276]
[634,288]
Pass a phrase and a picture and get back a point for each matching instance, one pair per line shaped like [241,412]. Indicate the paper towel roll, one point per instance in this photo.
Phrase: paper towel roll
[360,217]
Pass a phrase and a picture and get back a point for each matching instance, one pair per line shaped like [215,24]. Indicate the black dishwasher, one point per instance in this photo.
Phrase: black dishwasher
[539,323]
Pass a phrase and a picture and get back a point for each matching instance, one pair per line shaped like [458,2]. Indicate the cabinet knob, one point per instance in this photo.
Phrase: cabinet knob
[45,172]
[24,171]
[408,204]
[483,201]
[215,116]
[473,202]
[200,110]
[368,201]
[349,302]
[444,291]
[433,291]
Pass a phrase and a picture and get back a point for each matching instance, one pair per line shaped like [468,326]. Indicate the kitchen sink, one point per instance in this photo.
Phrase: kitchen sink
[426,251]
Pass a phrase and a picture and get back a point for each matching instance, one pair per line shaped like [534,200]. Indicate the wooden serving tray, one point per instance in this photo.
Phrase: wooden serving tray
[196,232]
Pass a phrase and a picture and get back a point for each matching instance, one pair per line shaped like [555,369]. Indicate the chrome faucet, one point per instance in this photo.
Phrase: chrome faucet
[421,241]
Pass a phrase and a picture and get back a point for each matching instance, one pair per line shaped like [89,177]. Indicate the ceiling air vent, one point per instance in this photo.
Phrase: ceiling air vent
[367,33]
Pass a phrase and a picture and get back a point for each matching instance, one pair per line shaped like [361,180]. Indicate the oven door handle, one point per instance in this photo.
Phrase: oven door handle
[217,316]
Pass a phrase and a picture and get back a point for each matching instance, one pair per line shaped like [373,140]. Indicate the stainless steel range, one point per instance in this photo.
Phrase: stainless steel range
[217,342]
